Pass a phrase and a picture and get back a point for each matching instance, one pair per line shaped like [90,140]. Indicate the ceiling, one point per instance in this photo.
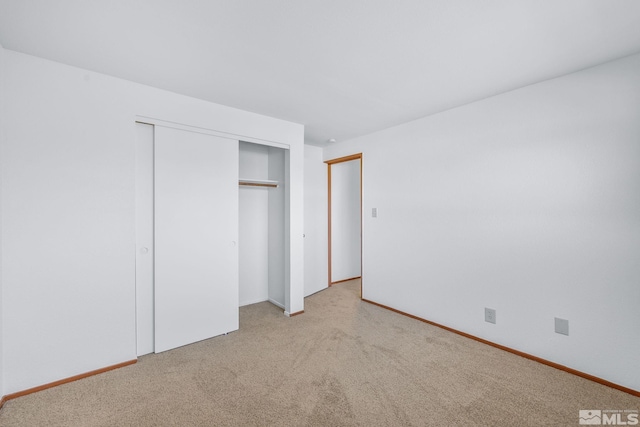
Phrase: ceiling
[343,68]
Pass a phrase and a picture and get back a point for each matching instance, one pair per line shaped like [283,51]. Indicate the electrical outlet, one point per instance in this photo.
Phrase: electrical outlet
[374,212]
[562,326]
[489,315]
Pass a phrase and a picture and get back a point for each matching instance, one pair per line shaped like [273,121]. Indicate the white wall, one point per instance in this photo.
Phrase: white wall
[345,221]
[527,202]
[294,214]
[2,142]
[315,221]
[68,212]
[253,233]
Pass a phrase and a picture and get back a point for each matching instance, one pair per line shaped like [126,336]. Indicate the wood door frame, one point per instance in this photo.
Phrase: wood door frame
[329,163]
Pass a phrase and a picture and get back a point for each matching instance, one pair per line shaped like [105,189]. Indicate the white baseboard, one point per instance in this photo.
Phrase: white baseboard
[249,302]
[276,303]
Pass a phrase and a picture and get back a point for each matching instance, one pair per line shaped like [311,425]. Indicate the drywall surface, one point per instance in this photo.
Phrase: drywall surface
[528,203]
[253,231]
[2,142]
[316,253]
[294,215]
[345,220]
[68,179]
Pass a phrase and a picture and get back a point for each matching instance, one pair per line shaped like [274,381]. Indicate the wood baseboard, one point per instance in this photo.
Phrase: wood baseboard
[514,351]
[64,381]
[296,313]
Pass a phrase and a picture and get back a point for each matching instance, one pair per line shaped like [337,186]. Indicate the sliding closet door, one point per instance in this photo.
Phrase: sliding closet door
[196,230]
[144,239]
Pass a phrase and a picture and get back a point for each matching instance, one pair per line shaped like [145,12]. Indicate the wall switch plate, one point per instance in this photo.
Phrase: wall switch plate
[562,326]
[374,212]
[489,315]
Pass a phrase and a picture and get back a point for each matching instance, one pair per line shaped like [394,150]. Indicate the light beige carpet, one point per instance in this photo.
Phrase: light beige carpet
[342,363]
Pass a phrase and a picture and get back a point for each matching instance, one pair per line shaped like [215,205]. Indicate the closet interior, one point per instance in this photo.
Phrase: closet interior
[262,224]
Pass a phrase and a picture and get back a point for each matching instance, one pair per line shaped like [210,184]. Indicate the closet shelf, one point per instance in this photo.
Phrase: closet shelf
[258,183]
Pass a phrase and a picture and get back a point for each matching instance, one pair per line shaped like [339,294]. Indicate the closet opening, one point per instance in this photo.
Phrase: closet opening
[262,224]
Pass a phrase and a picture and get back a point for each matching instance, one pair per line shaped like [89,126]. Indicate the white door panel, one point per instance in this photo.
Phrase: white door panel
[196,234]
[144,239]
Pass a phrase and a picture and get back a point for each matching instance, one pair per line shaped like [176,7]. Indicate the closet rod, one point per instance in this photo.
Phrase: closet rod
[258,184]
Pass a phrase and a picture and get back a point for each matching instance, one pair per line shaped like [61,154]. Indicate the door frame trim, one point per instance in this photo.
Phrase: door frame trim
[207,131]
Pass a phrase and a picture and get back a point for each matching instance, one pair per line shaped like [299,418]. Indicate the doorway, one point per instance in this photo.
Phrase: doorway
[345,218]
